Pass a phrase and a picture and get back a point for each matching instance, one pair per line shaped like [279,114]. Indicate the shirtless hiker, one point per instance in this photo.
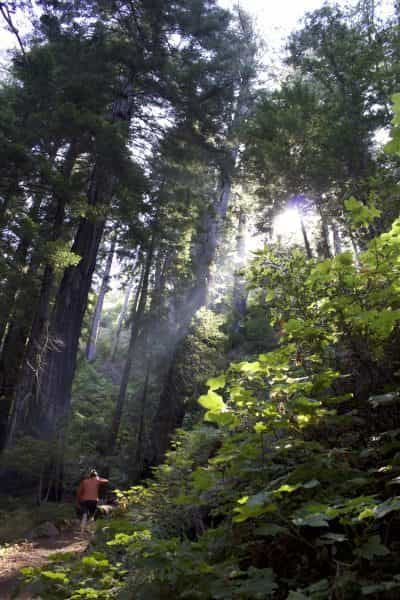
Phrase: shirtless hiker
[87,496]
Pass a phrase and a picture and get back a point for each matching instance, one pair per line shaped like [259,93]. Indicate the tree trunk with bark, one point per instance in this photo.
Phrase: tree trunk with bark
[42,400]
[307,244]
[325,245]
[26,339]
[169,416]
[137,463]
[9,297]
[239,293]
[43,396]
[122,316]
[337,242]
[95,327]
[135,331]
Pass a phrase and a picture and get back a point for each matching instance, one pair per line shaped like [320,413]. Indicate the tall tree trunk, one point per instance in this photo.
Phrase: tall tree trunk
[169,416]
[42,401]
[206,244]
[135,330]
[239,295]
[326,250]
[136,299]
[355,247]
[16,281]
[307,244]
[26,339]
[43,396]
[95,328]
[337,242]
[137,463]
[12,356]
[121,320]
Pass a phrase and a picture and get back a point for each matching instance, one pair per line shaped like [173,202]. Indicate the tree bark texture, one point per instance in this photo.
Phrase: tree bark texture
[325,246]
[169,416]
[137,463]
[121,318]
[239,293]
[95,327]
[337,242]
[135,330]
[307,244]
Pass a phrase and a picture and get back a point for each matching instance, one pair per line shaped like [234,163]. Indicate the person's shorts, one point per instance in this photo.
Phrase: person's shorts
[88,507]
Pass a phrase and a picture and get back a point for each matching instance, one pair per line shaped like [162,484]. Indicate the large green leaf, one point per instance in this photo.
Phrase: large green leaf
[254,506]
[212,402]
[311,521]
[216,383]
[390,505]
[379,588]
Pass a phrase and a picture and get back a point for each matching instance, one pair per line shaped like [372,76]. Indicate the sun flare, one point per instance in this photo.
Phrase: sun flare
[287,223]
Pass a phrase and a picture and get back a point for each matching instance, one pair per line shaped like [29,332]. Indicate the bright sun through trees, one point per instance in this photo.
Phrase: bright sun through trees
[287,224]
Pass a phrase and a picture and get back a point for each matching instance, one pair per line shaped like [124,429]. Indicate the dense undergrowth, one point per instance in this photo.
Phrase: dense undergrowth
[19,517]
[288,489]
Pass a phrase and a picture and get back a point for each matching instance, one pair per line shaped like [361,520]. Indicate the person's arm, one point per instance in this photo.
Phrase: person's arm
[102,480]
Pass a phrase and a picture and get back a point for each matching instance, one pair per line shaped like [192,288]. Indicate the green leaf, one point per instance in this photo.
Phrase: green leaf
[377,588]
[212,402]
[121,539]
[287,488]
[384,399]
[390,505]
[318,590]
[360,213]
[250,368]
[254,506]
[260,583]
[311,484]
[311,521]
[270,296]
[372,548]
[260,427]
[216,383]
[221,418]
[55,576]
[203,479]
[269,529]
[334,537]
[258,499]
[345,258]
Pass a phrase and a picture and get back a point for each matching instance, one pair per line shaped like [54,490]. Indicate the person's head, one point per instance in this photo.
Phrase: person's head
[93,473]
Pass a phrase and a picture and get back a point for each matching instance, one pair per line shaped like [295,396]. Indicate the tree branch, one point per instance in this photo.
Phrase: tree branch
[6,14]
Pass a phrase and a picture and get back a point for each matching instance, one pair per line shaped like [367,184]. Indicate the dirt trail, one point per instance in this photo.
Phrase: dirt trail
[35,554]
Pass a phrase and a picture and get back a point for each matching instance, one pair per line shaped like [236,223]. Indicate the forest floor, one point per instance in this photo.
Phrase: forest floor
[14,557]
